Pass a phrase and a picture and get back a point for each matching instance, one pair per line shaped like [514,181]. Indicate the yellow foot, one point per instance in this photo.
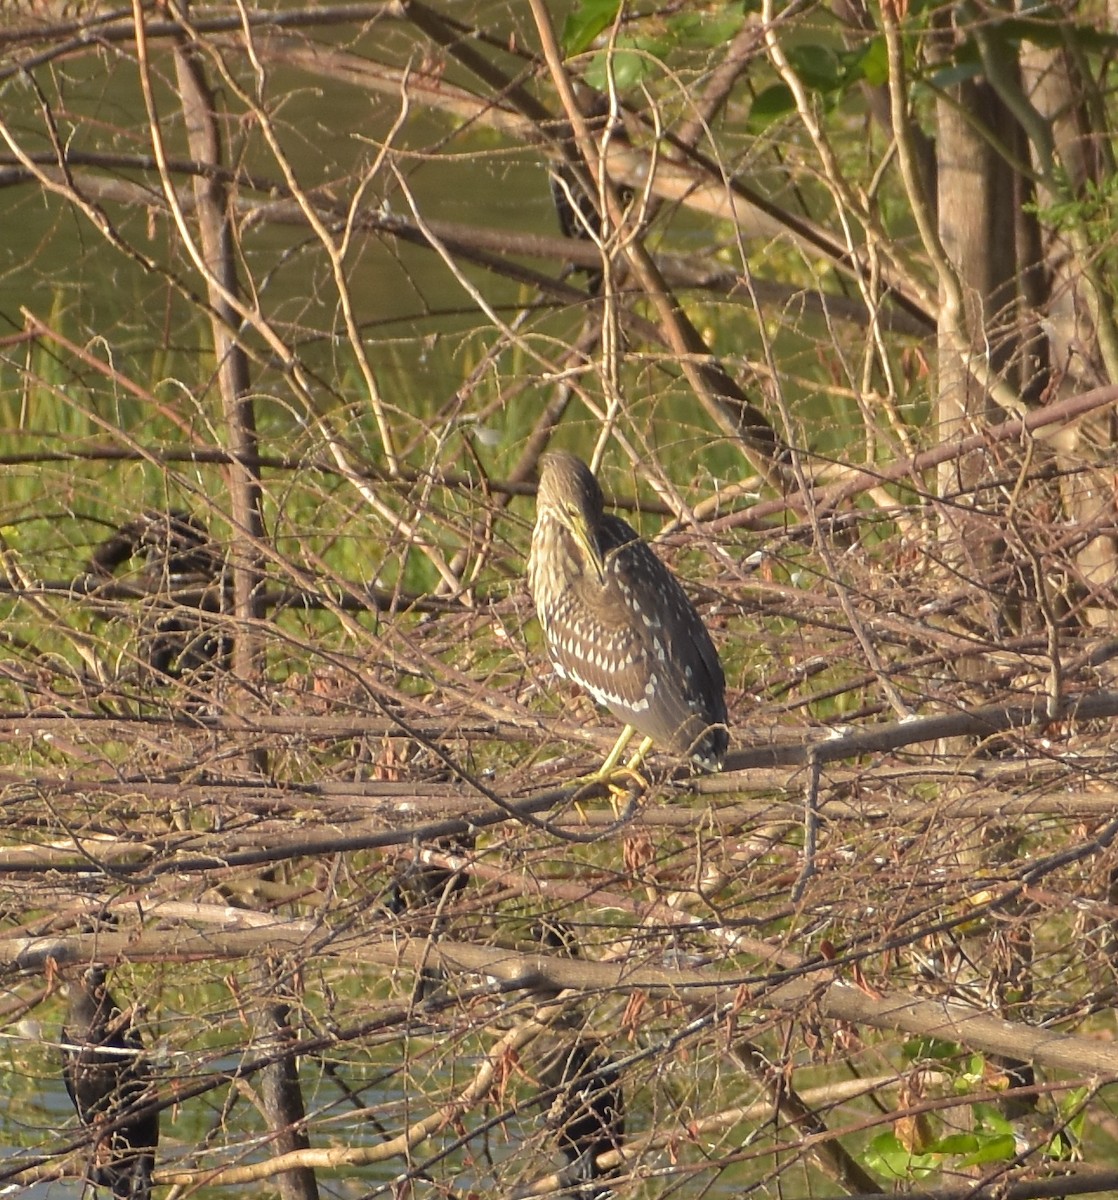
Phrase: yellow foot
[622,793]
[630,774]
[619,782]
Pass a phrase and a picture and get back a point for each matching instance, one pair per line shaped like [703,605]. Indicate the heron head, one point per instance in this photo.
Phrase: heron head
[570,494]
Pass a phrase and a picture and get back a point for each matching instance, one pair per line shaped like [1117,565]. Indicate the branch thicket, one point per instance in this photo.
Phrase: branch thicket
[290,323]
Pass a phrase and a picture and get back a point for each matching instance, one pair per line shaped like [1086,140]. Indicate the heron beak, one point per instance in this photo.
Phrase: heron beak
[582,536]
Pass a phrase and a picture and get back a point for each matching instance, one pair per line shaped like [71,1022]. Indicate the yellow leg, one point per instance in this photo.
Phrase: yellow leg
[614,756]
[609,771]
[611,774]
[634,764]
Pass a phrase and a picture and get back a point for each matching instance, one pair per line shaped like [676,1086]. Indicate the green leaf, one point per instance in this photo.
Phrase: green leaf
[769,106]
[585,22]
[817,66]
[956,1143]
[871,63]
[1061,1147]
[995,1149]
[631,60]
[888,1157]
[976,1068]
[1073,1101]
[919,1048]
[708,29]
[991,1120]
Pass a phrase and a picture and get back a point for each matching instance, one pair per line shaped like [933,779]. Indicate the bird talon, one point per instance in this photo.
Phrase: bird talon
[624,794]
[620,784]
[635,778]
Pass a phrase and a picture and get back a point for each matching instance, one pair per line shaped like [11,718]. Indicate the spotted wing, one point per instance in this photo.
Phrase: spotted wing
[689,685]
[594,640]
[688,643]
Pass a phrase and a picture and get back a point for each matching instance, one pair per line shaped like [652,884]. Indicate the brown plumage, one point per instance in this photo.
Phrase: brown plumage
[617,621]
[106,1075]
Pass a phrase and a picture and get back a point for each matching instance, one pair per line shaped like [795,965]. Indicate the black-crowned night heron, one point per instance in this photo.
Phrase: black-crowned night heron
[618,623]
[107,1074]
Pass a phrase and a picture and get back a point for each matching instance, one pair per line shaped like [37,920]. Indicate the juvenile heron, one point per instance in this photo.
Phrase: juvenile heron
[107,1074]
[618,623]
